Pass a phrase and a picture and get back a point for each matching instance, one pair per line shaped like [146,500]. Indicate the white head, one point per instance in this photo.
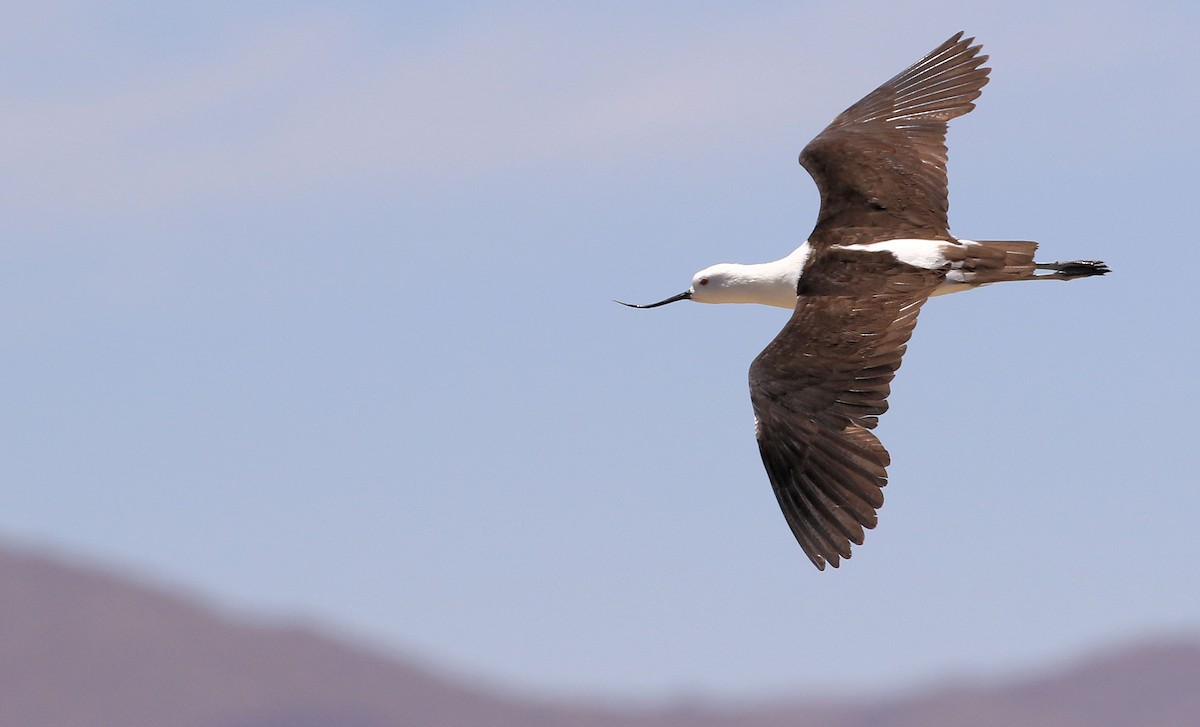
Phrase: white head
[722,283]
[772,283]
[726,283]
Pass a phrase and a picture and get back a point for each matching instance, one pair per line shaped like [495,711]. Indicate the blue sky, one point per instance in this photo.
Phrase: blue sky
[306,307]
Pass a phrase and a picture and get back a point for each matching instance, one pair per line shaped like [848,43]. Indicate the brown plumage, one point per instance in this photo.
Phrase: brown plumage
[820,386]
[880,248]
[881,164]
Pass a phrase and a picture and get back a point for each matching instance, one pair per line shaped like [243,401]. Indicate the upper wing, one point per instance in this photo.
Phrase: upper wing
[819,388]
[881,165]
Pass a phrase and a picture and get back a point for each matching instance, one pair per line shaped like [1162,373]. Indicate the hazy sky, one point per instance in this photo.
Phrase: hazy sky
[306,307]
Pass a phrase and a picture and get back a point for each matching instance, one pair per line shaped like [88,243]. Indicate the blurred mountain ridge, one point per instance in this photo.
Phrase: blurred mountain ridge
[83,647]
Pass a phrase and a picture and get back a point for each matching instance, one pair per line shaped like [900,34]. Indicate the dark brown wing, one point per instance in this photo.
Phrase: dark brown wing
[819,388]
[881,164]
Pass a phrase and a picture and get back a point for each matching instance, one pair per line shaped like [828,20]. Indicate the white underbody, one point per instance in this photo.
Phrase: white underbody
[774,283]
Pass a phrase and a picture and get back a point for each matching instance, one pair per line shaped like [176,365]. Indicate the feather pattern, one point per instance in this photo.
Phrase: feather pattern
[881,165]
[819,388]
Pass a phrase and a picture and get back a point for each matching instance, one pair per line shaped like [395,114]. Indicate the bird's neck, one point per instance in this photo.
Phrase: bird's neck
[772,283]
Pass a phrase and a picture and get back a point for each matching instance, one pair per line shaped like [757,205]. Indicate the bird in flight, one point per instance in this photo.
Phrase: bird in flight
[881,247]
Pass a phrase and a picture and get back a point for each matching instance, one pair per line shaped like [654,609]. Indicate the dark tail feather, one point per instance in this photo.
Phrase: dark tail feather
[1074,269]
[997,261]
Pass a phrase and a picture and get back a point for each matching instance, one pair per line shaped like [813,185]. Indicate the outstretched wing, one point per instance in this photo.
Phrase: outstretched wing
[819,388]
[881,165]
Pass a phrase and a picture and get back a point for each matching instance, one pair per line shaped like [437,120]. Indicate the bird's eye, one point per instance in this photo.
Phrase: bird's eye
[704,281]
